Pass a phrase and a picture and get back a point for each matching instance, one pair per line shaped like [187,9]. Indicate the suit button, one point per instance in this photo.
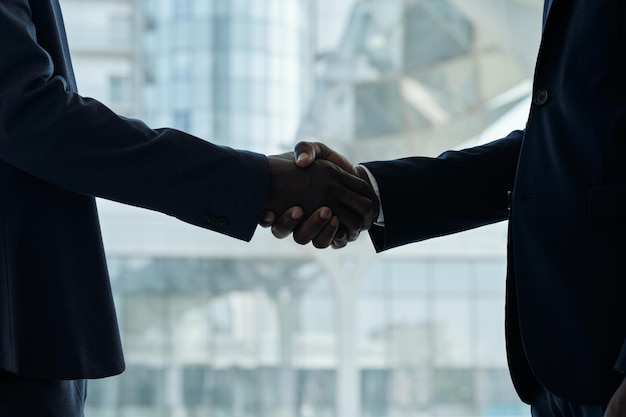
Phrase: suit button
[210,220]
[221,223]
[540,98]
[216,223]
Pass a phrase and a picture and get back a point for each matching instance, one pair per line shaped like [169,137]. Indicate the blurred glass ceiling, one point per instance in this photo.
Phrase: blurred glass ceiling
[421,76]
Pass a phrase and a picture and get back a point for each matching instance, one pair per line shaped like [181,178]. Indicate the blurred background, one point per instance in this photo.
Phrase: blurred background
[216,327]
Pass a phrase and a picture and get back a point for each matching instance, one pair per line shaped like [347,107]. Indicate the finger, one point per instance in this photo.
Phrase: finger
[325,237]
[359,197]
[311,227]
[341,238]
[305,153]
[355,211]
[284,225]
[353,234]
[339,245]
[267,219]
[351,222]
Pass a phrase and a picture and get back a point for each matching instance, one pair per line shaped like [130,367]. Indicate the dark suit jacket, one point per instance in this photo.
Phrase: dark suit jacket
[567,281]
[57,151]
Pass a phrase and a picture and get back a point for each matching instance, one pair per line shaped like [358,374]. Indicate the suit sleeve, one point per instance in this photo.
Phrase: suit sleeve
[425,197]
[50,132]
[620,364]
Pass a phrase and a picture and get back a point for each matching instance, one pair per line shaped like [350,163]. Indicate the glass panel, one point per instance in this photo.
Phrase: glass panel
[454,332]
[408,278]
[452,277]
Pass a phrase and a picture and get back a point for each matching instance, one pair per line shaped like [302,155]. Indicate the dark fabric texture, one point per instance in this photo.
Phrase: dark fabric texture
[546,404]
[23,397]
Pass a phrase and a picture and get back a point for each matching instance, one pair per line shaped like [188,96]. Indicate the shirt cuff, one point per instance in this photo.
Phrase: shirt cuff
[380,221]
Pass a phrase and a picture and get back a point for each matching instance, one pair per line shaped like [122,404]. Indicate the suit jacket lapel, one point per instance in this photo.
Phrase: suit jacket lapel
[546,10]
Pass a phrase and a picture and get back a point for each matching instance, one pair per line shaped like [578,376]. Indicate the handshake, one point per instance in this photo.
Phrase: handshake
[319,196]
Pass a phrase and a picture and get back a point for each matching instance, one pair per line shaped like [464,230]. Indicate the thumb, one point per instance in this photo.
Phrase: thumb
[307,152]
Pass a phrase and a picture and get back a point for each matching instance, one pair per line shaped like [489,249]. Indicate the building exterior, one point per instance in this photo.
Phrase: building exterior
[103,38]
[213,326]
[416,77]
[233,72]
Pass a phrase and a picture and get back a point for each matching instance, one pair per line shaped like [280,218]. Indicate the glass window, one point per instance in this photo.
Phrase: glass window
[412,331]
[376,280]
[222,30]
[239,64]
[491,277]
[259,9]
[379,109]
[435,32]
[454,332]
[408,389]
[316,392]
[258,67]
[489,332]
[195,385]
[452,277]
[258,33]
[141,386]
[374,325]
[120,89]
[214,326]
[121,30]
[408,278]
[239,29]
[239,8]
[258,129]
[240,97]
[374,392]
[240,128]
[182,67]
[258,97]
[182,9]
[454,388]
[182,120]
[317,315]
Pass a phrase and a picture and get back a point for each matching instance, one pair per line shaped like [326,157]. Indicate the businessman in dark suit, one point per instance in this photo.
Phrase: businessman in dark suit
[58,151]
[561,183]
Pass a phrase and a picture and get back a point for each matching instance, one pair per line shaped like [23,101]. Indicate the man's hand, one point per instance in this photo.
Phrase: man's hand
[315,229]
[321,228]
[617,405]
[307,152]
[336,204]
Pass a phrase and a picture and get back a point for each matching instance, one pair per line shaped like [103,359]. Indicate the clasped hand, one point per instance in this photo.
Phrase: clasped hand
[319,196]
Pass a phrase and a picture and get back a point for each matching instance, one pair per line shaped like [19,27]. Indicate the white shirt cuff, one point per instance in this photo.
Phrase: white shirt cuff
[380,221]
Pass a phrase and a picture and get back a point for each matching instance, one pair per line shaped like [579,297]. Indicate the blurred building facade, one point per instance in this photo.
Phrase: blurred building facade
[103,36]
[213,326]
[233,71]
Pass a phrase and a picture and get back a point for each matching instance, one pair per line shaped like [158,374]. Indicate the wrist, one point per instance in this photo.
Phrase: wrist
[363,175]
[368,177]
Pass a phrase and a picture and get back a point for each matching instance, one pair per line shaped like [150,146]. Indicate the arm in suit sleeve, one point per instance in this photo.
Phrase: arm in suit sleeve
[620,364]
[50,132]
[459,190]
